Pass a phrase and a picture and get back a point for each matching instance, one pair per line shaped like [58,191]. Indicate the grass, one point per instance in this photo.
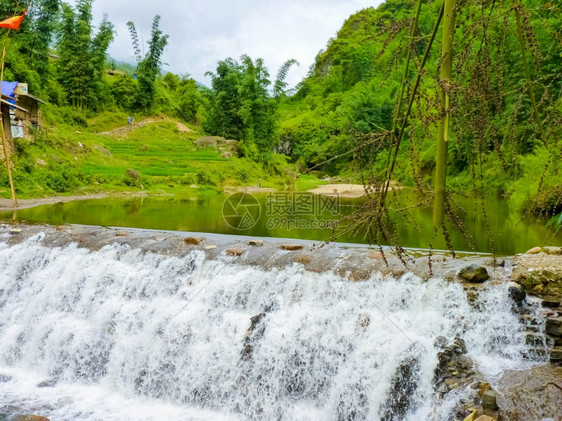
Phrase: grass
[74,154]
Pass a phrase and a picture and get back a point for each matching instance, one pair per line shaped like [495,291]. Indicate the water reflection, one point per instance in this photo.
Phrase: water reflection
[204,213]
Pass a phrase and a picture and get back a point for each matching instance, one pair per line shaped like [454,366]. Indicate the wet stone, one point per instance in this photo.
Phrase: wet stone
[556,356]
[489,400]
[516,293]
[235,252]
[554,326]
[292,247]
[256,243]
[550,302]
[474,273]
[193,241]
[534,250]
[552,250]
[48,383]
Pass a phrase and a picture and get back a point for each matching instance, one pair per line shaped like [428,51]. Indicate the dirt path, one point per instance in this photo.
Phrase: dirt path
[123,130]
[6,204]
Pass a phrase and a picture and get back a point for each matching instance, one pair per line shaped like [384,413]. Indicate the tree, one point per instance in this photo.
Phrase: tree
[83,58]
[280,84]
[242,106]
[149,66]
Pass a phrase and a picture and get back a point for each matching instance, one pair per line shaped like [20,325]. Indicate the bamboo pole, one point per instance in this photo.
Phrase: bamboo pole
[443,126]
[3,133]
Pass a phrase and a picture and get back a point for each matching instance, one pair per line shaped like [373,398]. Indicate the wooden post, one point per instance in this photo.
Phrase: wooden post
[443,126]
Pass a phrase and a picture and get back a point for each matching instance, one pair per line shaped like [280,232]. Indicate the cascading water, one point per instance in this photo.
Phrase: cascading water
[120,334]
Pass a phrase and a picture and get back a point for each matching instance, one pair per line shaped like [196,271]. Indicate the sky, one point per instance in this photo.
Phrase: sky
[202,32]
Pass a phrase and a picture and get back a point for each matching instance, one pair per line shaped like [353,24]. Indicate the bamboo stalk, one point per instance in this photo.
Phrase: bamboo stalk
[443,126]
[4,146]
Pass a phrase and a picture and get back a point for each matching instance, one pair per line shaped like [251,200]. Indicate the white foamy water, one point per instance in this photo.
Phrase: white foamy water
[120,334]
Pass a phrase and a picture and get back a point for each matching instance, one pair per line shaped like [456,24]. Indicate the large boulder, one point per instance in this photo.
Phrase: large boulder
[540,275]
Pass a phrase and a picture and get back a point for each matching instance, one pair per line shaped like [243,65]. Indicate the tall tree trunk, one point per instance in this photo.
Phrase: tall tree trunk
[443,126]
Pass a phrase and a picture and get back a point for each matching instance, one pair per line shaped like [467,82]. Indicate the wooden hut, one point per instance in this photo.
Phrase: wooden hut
[6,107]
[31,117]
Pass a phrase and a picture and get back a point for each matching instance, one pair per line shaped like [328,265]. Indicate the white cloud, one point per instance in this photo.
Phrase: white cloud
[204,32]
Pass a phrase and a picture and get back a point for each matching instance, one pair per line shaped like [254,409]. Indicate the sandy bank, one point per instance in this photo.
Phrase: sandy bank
[347,190]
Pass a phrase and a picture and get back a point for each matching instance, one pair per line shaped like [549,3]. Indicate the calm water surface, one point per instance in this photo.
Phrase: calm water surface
[296,215]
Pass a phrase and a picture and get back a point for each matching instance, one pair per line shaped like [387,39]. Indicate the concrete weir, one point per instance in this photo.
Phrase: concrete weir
[113,323]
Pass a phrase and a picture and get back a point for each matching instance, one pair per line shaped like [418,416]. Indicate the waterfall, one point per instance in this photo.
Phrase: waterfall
[118,333]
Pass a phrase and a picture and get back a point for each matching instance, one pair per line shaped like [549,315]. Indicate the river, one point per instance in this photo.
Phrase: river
[302,216]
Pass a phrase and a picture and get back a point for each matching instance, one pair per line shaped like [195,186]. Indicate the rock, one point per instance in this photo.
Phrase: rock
[256,243]
[31,418]
[292,247]
[209,141]
[121,234]
[48,383]
[472,416]
[556,356]
[15,231]
[235,252]
[516,292]
[534,250]
[534,339]
[255,331]
[552,250]
[193,241]
[554,326]
[489,400]
[440,342]
[210,247]
[132,174]
[483,387]
[550,302]
[103,151]
[41,162]
[485,418]
[474,273]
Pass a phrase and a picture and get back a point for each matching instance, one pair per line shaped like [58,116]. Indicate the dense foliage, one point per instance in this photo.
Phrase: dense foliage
[348,101]
[243,106]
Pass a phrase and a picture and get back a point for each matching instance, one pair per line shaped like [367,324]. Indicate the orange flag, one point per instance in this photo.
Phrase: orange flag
[13,23]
